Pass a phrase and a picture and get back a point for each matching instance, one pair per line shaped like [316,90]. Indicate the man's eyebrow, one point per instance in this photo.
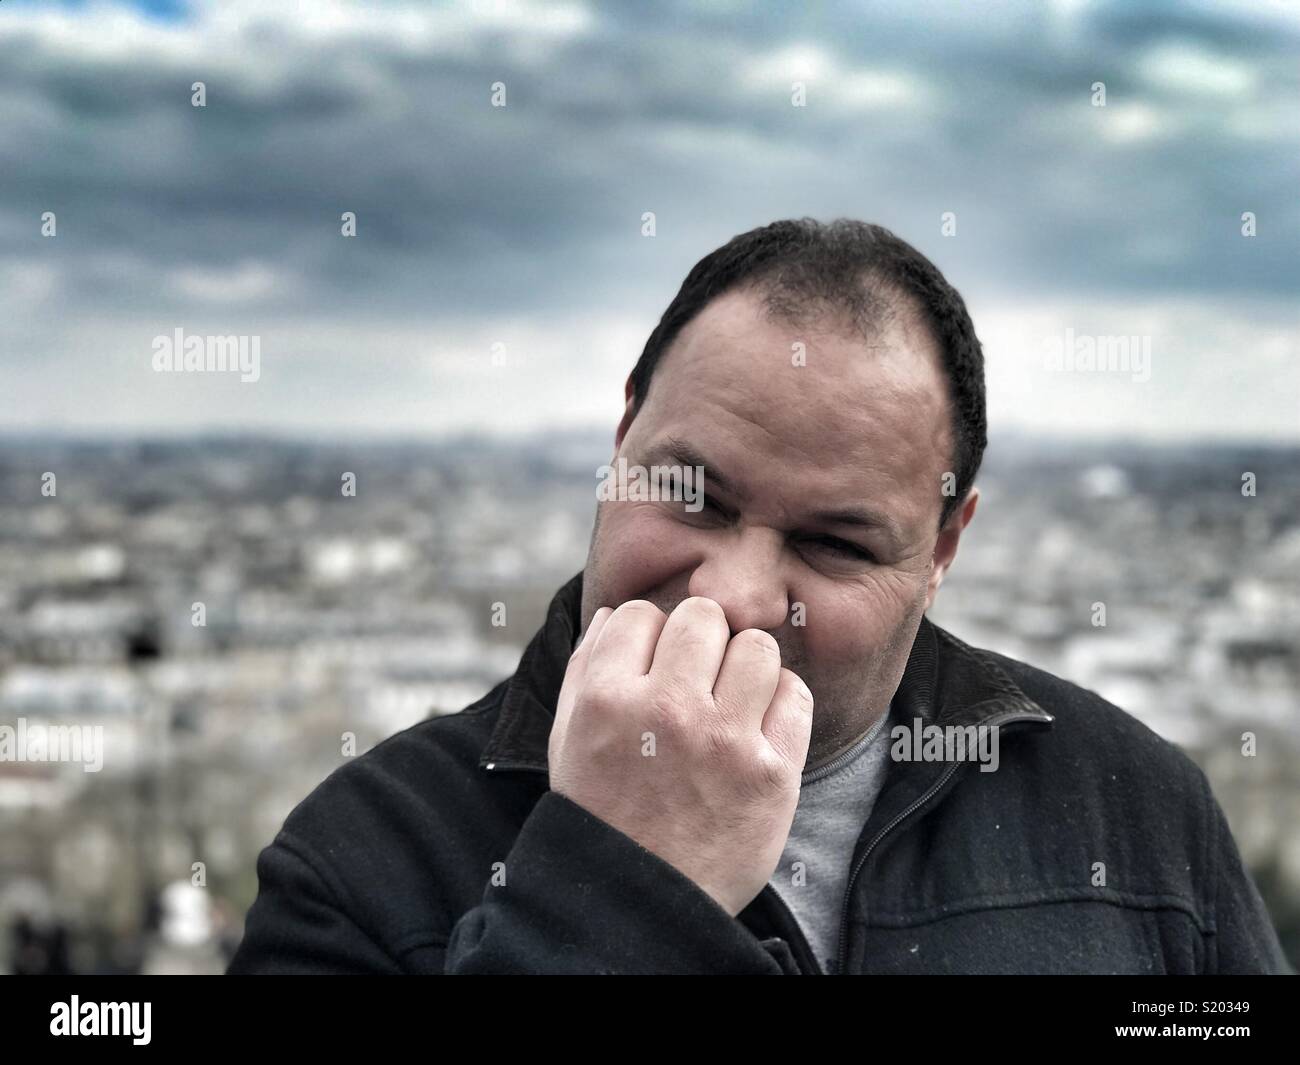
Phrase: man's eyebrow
[864,516]
[683,453]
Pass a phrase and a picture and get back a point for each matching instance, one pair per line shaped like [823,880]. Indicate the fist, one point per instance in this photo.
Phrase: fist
[687,739]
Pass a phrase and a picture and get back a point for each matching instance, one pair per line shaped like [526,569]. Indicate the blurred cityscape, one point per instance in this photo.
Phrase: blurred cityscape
[228,616]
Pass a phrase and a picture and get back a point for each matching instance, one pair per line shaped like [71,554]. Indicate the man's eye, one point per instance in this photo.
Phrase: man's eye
[704,505]
[680,497]
[835,546]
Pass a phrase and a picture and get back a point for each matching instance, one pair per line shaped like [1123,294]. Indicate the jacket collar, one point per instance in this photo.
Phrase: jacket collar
[945,682]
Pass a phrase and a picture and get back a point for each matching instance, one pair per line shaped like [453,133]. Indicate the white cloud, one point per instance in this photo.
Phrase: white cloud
[1218,368]
[1182,67]
[242,283]
[828,79]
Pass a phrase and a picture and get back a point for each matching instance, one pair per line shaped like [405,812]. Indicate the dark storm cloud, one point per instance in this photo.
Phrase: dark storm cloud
[613,110]
[459,202]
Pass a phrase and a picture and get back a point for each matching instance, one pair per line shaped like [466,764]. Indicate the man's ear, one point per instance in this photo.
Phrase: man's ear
[945,547]
[629,412]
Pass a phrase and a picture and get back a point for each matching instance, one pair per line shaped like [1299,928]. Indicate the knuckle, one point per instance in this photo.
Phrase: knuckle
[600,700]
[771,772]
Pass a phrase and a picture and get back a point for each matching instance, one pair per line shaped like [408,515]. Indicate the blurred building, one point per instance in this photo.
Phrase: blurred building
[238,628]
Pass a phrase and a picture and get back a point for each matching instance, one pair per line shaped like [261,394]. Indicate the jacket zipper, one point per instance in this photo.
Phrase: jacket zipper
[842,955]
[843,949]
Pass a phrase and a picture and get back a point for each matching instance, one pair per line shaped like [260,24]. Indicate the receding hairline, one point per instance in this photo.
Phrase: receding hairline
[867,305]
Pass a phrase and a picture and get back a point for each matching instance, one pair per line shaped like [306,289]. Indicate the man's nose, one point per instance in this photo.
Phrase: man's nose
[744,576]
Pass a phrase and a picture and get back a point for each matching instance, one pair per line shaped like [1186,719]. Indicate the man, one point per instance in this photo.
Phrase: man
[691,770]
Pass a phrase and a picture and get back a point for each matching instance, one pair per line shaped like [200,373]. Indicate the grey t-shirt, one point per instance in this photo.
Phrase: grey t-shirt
[834,804]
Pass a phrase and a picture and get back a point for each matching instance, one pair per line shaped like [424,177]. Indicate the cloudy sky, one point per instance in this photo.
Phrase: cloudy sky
[517,230]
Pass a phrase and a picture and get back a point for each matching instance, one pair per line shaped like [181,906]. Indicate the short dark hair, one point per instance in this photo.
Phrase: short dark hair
[854,269]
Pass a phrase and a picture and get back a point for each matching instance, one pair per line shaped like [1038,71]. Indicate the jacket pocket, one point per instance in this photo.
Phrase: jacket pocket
[1142,937]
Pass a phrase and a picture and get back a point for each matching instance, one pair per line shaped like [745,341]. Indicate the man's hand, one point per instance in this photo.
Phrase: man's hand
[729,730]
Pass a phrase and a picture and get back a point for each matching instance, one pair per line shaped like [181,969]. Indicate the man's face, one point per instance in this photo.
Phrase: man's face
[822,497]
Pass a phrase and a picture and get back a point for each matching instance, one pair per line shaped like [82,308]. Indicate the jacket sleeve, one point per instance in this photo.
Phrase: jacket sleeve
[296,926]
[1244,940]
[581,897]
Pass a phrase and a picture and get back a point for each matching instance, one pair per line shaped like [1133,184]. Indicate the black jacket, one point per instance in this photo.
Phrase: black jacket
[394,864]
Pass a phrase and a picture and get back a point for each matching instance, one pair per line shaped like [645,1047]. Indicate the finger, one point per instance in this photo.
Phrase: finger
[691,646]
[748,678]
[625,647]
[597,623]
[788,721]
[575,674]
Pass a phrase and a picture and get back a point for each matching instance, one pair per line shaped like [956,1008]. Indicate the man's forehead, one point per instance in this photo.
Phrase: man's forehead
[828,396]
[734,345]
